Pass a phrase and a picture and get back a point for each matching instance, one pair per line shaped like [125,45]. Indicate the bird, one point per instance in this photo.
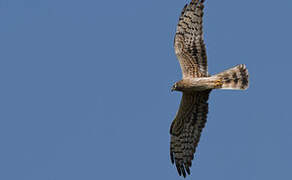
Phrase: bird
[195,85]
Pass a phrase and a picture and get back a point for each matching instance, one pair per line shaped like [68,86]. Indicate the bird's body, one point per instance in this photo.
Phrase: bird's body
[235,78]
[196,85]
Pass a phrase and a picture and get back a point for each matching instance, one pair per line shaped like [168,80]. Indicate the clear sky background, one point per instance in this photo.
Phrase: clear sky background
[85,90]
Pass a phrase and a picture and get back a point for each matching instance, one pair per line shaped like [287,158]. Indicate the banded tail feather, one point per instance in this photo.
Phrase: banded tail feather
[234,78]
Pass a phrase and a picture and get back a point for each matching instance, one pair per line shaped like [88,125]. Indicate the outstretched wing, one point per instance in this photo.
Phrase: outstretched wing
[188,43]
[186,129]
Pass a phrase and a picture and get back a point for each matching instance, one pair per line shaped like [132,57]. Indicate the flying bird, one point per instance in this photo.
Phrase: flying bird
[196,85]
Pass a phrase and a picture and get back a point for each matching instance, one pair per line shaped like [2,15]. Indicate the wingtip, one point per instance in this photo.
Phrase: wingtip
[183,171]
[188,170]
[171,158]
[178,169]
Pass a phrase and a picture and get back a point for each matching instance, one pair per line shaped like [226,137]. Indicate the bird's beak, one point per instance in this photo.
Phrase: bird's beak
[172,89]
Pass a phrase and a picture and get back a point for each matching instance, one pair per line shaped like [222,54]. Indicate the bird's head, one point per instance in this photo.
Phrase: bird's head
[173,88]
[176,87]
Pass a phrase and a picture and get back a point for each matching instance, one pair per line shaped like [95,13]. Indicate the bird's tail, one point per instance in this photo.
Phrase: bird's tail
[234,78]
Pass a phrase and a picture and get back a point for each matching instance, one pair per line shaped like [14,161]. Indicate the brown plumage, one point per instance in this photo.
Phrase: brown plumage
[195,85]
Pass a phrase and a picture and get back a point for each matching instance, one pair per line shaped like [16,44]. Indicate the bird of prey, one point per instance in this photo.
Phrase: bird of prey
[196,85]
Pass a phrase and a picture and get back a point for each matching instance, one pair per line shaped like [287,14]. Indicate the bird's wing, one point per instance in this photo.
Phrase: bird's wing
[188,42]
[186,129]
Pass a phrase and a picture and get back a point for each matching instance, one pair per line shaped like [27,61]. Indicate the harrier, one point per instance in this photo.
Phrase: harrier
[196,85]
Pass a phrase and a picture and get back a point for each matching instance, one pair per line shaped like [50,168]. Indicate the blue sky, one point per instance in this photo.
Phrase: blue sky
[85,90]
